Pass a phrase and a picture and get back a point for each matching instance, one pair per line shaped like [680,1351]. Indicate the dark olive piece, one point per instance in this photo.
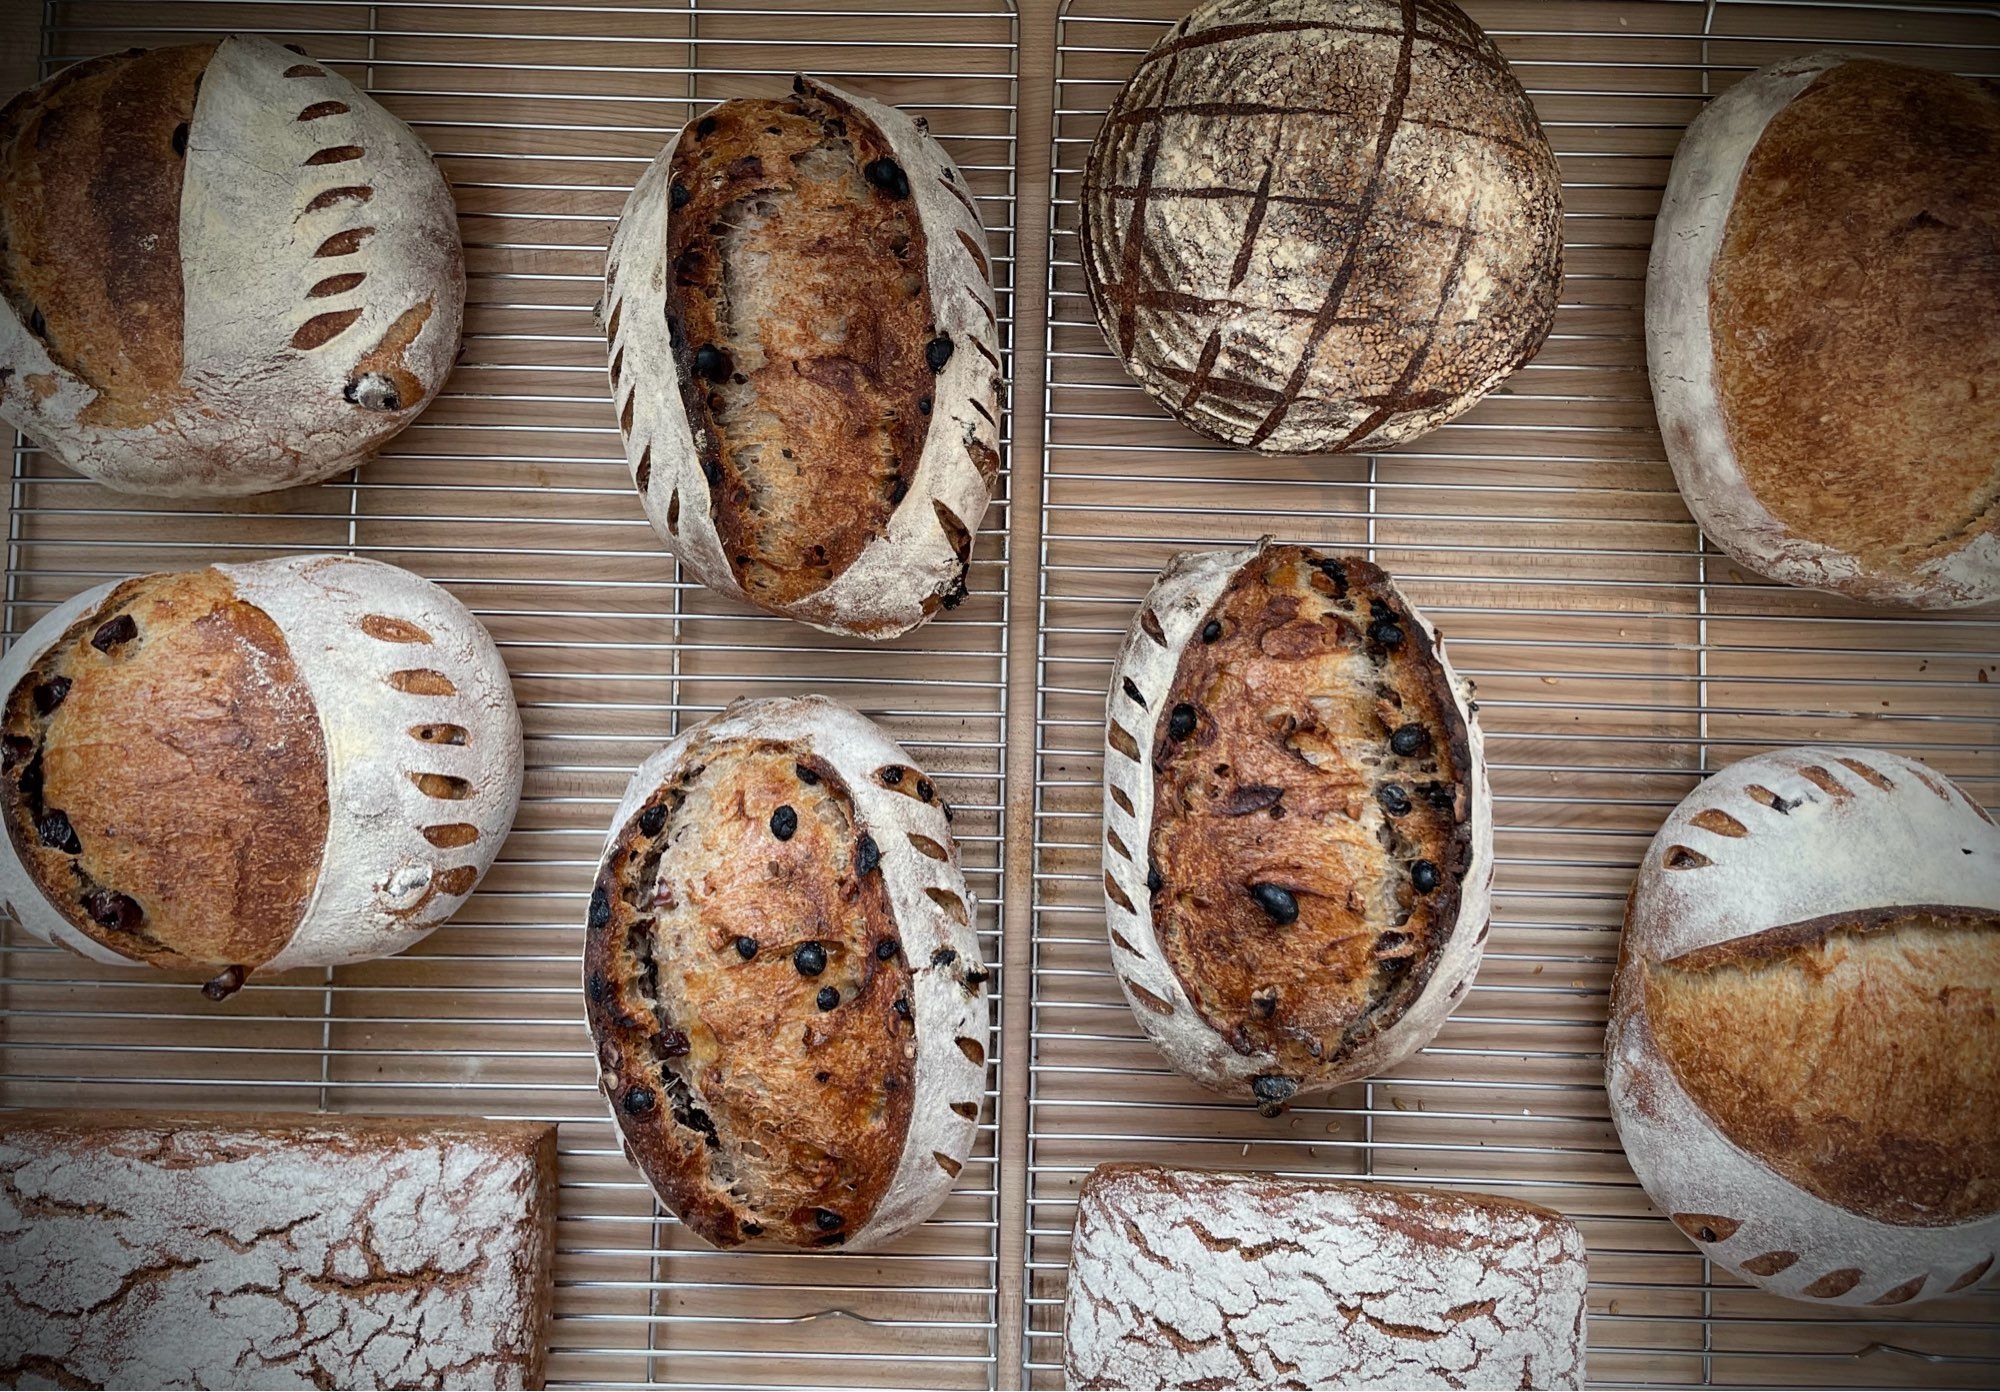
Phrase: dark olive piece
[899,490]
[828,998]
[1336,572]
[784,822]
[925,789]
[923,405]
[753,1229]
[1181,721]
[938,352]
[809,958]
[976,978]
[1386,634]
[746,947]
[1155,881]
[673,1043]
[902,1007]
[1272,1092]
[705,127]
[867,855]
[892,775]
[600,908]
[888,176]
[711,469]
[1424,876]
[1409,739]
[638,1101]
[1264,1002]
[943,957]
[109,909]
[1394,800]
[827,1220]
[57,834]
[1276,901]
[50,694]
[887,949]
[180,140]
[1211,630]
[225,983]
[712,363]
[806,775]
[37,324]
[653,819]
[678,196]
[112,632]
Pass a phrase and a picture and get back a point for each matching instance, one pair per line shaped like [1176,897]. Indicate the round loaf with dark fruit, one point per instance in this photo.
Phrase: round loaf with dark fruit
[805,359]
[1328,225]
[1298,836]
[223,269]
[783,980]
[1804,1051]
[249,768]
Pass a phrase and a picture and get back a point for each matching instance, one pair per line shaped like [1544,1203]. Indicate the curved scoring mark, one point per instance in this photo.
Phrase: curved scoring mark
[421,681]
[611,324]
[322,329]
[625,413]
[1760,794]
[1149,624]
[1719,822]
[458,880]
[304,70]
[1900,1294]
[1119,939]
[1123,803]
[673,508]
[320,110]
[642,476]
[968,1110]
[1681,858]
[946,1163]
[976,251]
[1112,840]
[955,531]
[1870,775]
[1825,782]
[336,154]
[443,786]
[351,193]
[1834,1284]
[926,846]
[1707,1227]
[1770,1263]
[389,629]
[1117,895]
[617,367]
[449,836]
[1147,998]
[953,906]
[1971,1276]
[345,243]
[337,284]
[440,734]
[972,1049]
[1122,741]
[1131,689]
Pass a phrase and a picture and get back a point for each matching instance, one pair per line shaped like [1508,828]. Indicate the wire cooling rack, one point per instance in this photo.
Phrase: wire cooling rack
[512,491]
[1617,659]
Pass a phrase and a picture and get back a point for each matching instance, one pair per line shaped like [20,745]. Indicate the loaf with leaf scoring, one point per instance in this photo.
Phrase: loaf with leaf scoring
[1804,1051]
[805,359]
[223,269]
[1298,839]
[783,980]
[249,768]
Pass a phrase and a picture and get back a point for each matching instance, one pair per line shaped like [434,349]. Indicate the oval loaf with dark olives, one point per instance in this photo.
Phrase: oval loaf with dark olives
[249,768]
[1298,838]
[783,980]
[805,359]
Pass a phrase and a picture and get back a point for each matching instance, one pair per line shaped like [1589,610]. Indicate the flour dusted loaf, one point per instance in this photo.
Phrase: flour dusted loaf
[1823,327]
[1330,225]
[148,1249]
[1804,1052]
[1196,1278]
[249,768]
[223,269]
[1298,836]
[784,982]
[805,359]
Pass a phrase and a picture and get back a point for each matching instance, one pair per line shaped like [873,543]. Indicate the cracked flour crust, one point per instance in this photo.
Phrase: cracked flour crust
[148,1250]
[1192,1278]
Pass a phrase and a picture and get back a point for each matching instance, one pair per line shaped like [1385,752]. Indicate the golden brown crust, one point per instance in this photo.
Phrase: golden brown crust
[801,316]
[1277,789]
[169,733]
[757,1109]
[1852,1054]
[1853,310]
[93,264]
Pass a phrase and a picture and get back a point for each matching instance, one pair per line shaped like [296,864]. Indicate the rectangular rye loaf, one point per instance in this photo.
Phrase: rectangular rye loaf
[1191,1278]
[174,1250]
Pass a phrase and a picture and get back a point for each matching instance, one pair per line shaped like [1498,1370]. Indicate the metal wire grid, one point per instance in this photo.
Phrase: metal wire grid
[512,491]
[1618,660]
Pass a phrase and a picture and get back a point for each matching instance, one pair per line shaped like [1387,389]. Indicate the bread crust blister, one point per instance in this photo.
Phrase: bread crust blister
[783,980]
[819,441]
[223,270]
[1803,1059]
[1292,901]
[287,763]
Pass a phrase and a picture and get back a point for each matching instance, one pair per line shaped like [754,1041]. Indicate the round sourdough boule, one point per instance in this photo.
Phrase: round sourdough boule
[1298,833]
[1804,1051]
[783,980]
[805,359]
[250,768]
[223,269]
[1823,328]
[1332,227]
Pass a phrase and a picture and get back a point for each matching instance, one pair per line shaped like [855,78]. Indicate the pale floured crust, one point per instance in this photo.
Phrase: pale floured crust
[915,564]
[419,770]
[1821,332]
[1327,225]
[1200,1279]
[1273,1051]
[810,1076]
[313,255]
[1837,908]
[146,1249]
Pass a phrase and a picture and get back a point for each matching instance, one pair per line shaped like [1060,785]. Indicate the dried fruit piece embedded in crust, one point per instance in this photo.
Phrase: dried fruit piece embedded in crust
[801,313]
[1311,821]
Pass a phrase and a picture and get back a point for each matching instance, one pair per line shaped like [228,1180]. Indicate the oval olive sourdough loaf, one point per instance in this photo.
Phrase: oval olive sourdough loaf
[1298,838]
[1804,1051]
[223,269]
[805,359]
[1330,225]
[249,768]
[783,980]
[1201,1279]
[1823,328]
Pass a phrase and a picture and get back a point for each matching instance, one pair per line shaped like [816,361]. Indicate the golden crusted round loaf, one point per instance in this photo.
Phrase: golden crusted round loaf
[1328,227]
[223,269]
